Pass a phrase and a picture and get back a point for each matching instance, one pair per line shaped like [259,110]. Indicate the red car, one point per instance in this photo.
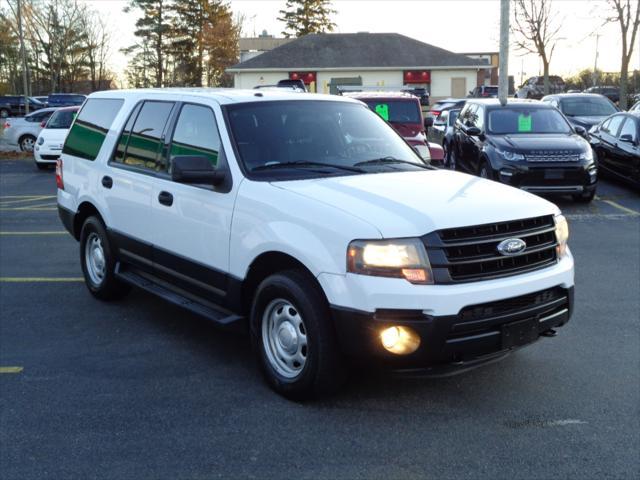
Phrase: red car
[404,114]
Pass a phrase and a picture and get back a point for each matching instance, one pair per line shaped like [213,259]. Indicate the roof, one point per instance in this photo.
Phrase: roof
[221,95]
[381,95]
[495,102]
[335,51]
[574,95]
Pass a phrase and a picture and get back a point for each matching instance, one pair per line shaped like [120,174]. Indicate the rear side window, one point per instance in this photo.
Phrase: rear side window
[91,126]
[143,147]
[61,119]
[196,134]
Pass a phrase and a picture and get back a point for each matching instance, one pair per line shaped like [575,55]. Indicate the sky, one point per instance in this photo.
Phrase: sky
[456,25]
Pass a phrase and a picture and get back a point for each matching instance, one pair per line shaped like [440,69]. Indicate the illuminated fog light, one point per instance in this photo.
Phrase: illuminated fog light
[400,340]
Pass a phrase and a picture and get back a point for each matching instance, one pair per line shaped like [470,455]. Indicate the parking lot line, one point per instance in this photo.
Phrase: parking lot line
[630,211]
[39,279]
[11,369]
[13,199]
[41,208]
[56,232]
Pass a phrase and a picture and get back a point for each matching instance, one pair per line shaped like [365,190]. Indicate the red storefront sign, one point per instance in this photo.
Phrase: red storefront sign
[416,76]
[306,77]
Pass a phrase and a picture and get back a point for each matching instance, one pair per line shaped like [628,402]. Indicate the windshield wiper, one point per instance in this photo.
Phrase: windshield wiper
[304,163]
[383,160]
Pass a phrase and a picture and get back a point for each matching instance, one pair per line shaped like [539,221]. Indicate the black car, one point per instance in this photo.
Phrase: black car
[484,91]
[419,92]
[616,143]
[14,106]
[611,92]
[526,144]
[65,99]
[446,104]
[582,109]
[441,132]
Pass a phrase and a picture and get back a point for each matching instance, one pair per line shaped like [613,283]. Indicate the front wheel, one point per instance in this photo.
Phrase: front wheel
[98,262]
[485,171]
[584,197]
[42,166]
[292,332]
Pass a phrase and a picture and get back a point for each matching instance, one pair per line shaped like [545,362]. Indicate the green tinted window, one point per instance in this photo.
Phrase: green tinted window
[196,134]
[91,126]
[124,136]
[144,145]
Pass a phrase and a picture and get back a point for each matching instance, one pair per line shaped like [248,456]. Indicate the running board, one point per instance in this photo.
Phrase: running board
[218,315]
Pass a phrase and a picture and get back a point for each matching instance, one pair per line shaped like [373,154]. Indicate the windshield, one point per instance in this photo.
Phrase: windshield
[587,106]
[306,135]
[396,111]
[527,120]
[61,119]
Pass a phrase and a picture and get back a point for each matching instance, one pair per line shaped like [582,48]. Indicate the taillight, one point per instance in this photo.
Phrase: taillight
[59,181]
[435,113]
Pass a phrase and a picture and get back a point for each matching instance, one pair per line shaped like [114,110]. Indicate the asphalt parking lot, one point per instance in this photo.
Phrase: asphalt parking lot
[140,389]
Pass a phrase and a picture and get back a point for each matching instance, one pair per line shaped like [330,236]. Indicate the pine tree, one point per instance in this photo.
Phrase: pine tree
[302,17]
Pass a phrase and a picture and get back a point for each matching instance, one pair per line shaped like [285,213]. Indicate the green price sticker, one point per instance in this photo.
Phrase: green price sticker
[524,123]
[382,109]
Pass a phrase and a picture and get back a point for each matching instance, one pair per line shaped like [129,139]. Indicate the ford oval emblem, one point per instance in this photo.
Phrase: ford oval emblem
[511,246]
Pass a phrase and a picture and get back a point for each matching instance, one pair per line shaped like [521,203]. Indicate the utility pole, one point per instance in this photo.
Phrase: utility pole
[25,84]
[595,62]
[503,87]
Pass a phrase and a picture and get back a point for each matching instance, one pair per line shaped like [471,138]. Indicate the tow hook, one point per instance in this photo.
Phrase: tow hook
[549,333]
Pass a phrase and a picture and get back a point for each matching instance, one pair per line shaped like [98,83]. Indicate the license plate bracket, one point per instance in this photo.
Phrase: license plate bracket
[519,333]
[554,174]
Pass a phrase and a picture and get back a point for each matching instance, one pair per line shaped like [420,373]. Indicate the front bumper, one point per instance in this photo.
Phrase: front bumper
[559,178]
[47,156]
[476,335]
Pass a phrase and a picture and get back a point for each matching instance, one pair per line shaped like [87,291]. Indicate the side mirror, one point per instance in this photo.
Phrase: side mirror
[473,131]
[580,130]
[627,138]
[195,169]
[428,122]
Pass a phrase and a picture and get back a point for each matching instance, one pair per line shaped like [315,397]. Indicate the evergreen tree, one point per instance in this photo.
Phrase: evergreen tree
[302,17]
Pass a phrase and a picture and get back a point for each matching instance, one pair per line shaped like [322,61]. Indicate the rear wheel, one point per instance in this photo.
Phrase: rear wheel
[27,142]
[98,262]
[292,332]
[453,158]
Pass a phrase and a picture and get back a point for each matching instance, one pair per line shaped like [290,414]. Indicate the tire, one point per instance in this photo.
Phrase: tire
[446,157]
[485,170]
[98,262]
[453,159]
[4,113]
[293,336]
[584,198]
[27,142]
[42,166]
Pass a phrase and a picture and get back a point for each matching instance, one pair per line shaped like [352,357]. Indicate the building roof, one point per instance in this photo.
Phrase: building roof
[334,51]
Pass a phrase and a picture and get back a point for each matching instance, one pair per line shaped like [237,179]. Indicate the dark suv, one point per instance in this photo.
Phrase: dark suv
[612,93]
[65,99]
[534,87]
[484,91]
[526,144]
[13,105]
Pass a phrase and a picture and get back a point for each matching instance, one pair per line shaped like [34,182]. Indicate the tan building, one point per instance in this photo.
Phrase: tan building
[372,59]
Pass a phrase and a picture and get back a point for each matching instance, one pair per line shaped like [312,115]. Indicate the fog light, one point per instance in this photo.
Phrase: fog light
[400,340]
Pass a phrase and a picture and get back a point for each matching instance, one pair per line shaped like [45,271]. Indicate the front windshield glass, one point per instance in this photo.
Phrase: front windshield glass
[318,137]
[527,120]
[396,111]
[62,119]
[587,106]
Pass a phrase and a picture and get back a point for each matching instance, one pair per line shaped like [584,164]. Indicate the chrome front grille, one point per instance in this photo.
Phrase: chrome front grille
[552,156]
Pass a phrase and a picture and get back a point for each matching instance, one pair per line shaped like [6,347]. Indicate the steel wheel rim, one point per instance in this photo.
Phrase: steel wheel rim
[94,259]
[284,337]
[28,144]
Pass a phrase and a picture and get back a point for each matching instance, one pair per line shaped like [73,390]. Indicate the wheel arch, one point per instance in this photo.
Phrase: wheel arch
[85,210]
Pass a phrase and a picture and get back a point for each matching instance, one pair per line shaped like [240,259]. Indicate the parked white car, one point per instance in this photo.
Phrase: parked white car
[23,131]
[307,220]
[51,138]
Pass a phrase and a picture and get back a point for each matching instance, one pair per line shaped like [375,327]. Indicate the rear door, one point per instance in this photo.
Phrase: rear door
[608,140]
[625,156]
[192,223]
[129,185]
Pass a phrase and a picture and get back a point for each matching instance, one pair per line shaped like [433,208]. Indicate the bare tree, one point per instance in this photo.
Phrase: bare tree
[623,14]
[536,30]
[98,48]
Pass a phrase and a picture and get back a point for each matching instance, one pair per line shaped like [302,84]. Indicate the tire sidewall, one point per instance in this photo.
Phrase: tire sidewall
[312,312]
[94,225]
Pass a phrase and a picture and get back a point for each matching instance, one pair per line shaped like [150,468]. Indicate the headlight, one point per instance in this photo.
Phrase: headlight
[403,258]
[587,155]
[562,235]
[40,140]
[510,156]
[423,151]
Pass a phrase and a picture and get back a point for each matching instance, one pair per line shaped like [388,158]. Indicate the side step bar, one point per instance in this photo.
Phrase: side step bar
[218,315]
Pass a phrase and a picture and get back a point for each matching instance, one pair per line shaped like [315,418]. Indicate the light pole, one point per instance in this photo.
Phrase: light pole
[23,54]
[503,87]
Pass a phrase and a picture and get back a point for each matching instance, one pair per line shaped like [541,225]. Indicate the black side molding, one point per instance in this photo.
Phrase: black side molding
[67,218]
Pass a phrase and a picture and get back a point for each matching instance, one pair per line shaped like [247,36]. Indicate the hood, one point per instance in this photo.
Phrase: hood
[409,131]
[586,121]
[525,143]
[409,204]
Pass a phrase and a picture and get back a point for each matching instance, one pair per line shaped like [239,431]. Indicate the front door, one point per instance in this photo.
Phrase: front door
[458,87]
[192,222]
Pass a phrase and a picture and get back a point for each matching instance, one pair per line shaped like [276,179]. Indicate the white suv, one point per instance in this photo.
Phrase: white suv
[308,220]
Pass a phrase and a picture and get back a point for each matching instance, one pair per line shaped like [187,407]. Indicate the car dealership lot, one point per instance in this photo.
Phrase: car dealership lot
[142,389]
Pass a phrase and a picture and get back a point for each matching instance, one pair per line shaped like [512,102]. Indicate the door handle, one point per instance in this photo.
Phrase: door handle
[165,198]
[107,181]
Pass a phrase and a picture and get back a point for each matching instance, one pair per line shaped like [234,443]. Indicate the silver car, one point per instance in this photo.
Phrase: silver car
[23,131]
